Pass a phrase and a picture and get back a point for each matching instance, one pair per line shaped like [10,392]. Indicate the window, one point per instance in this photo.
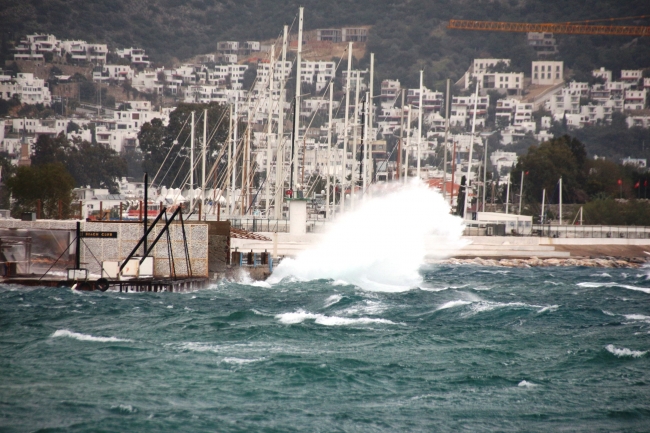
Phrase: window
[557,76]
[535,69]
[535,76]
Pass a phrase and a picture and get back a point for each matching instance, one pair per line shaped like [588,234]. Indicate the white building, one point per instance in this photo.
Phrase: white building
[547,73]
[603,73]
[136,56]
[462,110]
[631,76]
[566,101]
[390,90]
[319,73]
[29,89]
[635,99]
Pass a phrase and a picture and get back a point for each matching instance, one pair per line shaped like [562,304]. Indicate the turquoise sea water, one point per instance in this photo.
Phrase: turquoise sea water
[477,349]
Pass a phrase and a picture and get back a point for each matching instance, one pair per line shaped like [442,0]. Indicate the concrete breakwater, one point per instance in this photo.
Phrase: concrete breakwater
[590,262]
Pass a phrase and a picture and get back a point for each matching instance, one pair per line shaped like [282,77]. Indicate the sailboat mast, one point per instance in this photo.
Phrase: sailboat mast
[329,152]
[370,121]
[471,149]
[279,158]
[191,165]
[203,153]
[268,135]
[355,126]
[345,127]
[444,164]
[296,123]
[420,110]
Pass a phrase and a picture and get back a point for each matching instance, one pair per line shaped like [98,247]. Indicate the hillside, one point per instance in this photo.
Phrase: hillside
[407,35]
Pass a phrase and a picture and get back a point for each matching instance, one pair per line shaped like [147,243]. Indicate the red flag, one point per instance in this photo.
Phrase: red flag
[636,185]
[620,182]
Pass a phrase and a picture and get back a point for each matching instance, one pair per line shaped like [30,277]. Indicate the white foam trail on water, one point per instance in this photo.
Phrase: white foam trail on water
[301,315]
[623,286]
[623,353]
[381,245]
[85,337]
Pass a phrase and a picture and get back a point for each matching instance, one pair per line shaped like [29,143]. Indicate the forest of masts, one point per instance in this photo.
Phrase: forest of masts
[348,175]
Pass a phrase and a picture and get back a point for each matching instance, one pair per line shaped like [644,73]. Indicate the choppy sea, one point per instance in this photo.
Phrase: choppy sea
[474,349]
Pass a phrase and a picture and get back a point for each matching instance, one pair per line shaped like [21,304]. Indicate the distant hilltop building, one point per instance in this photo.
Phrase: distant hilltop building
[231,51]
[544,44]
[345,34]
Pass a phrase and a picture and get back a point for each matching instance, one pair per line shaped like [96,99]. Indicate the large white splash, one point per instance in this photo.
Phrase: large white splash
[382,244]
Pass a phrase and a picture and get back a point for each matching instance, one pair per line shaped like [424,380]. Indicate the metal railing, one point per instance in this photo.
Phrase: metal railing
[255,225]
[512,228]
[578,231]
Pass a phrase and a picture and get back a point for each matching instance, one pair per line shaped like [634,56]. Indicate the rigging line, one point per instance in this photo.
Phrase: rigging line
[175,158]
[59,258]
[170,149]
[91,253]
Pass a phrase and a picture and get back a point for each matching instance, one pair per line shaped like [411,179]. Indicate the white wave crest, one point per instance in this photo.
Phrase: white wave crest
[332,300]
[301,315]
[623,286]
[624,353]
[452,304]
[85,337]
[639,317]
[240,361]
[526,384]
[549,308]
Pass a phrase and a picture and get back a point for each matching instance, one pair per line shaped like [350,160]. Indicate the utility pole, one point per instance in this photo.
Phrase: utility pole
[366,143]
[508,194]
[560,200]
[521,191]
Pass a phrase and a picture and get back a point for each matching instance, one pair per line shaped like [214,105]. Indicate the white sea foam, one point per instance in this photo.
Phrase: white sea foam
[549,308]
[381,245]
[624,353]
[638,317]
[426,288]
[332,300]
[602,274]
[85,337]
[526,384]
[301,315]
[623,286]
[125,408]
[240,361]
[452,304]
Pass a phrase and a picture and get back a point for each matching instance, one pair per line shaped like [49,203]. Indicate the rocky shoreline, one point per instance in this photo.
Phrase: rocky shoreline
[591,262]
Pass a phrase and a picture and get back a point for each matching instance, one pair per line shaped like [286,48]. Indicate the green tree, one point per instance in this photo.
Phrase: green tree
[95,165]
[48,150]
[49,183]
[544,165]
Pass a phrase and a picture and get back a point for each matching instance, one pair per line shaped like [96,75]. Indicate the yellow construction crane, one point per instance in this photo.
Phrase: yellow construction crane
[570,28]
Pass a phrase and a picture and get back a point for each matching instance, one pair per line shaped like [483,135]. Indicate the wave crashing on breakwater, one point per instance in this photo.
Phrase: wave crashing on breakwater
[381,245]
